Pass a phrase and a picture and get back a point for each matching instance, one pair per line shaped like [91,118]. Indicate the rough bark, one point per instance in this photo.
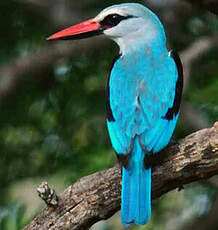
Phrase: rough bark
[97,196]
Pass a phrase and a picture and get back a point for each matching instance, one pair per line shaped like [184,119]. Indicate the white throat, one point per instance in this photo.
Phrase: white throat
[138,33]
[152,42]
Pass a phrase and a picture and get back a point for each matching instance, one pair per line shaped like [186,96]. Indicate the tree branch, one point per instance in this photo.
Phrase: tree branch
[194,51]
[97,196]
[12,73]
[199,47]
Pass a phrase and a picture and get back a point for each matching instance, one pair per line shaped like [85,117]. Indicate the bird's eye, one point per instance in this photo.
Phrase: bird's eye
[112,20]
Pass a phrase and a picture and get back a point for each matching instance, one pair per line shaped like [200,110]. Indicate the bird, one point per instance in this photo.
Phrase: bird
[143,96]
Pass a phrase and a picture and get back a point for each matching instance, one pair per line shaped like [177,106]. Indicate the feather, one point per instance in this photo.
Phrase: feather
[136,189]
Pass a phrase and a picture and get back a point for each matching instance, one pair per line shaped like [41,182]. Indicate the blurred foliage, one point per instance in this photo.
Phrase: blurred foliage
[12,217]
[206,88]
[55,124]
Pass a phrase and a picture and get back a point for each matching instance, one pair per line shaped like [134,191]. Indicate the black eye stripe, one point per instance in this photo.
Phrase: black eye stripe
[113,20]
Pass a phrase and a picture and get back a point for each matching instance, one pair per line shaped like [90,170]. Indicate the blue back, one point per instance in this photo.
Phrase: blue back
[144,93]
[142,89]
[144,98]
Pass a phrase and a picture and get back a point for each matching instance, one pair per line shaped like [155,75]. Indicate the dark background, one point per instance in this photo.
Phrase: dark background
[52,106]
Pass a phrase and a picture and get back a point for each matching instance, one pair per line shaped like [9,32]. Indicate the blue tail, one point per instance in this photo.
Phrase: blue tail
[136,189]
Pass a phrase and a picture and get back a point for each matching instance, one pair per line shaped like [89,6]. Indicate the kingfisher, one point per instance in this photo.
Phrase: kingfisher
[143,96]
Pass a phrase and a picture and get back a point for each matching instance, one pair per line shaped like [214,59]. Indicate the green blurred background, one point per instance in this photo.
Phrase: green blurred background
[52,103]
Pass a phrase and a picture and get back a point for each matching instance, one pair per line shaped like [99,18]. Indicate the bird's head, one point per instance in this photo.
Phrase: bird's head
[127,21]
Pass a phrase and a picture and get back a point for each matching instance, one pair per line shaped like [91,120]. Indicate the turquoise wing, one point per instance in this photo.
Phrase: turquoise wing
[144,96]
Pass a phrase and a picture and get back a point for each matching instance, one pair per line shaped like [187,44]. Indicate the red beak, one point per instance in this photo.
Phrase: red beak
[82,30]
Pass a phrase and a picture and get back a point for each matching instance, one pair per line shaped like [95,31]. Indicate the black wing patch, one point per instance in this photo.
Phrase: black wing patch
[173,111]
[109,113]
[123,160]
